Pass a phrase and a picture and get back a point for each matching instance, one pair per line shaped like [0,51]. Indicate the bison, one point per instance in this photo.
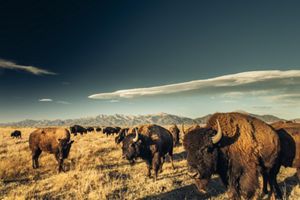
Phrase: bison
[117,129]
[77,129]
[289,136]
[236,147]
[98,129]
[52,140]
[174,130]
[151,143]
[90,129]
[16,134]
[110,130]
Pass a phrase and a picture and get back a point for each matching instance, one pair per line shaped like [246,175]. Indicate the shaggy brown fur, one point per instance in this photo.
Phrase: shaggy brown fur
[248,146]
[174,130]
[51,140]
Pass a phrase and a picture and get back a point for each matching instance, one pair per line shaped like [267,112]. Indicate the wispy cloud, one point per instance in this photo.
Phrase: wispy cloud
[5,64]
[45,100]
[63,102]
[114,101]
[235,86]
[53,100]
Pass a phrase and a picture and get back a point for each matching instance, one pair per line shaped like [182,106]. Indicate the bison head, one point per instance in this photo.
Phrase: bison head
[132,146]
[64,148]
[202,154]
[121,135]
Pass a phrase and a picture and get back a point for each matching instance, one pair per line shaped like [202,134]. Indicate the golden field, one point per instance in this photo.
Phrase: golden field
[95,170]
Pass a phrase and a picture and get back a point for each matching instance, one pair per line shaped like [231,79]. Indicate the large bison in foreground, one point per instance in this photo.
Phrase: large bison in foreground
[236,147]
[174,130]
[51,140]
[151,143]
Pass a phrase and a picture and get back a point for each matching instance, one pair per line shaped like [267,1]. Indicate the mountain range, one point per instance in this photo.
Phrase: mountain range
[126,120]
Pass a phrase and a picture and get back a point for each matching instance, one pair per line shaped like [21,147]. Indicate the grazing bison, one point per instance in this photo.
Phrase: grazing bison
[109,130]
[174,130]
[151,143]
[90,129]
[77,129]
[236,147]
[16,134]
[52,140]
[98,129]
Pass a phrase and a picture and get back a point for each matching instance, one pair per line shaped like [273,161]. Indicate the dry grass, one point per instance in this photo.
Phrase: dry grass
[96,171]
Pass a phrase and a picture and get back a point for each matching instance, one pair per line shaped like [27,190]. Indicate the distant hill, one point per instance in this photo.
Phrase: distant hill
[127,120]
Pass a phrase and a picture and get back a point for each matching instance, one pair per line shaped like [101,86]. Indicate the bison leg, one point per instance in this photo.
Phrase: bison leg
[149,167]
[171,157]
[265,183]
[162,163]
[273,181]
[298,174]
[35,158]
[60,163]
[156,164]
[248,183]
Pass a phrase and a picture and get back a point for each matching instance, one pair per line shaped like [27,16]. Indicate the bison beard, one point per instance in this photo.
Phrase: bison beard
[247,146]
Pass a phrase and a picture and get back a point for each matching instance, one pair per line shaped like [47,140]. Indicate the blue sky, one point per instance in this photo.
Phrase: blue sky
[55,55]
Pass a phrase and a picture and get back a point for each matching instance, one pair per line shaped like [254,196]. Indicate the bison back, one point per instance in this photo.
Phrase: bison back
[159,135]
[46,139]
[248,138]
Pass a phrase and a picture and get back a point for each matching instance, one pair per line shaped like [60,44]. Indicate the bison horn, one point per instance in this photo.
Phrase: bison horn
[136,136]
[215,139]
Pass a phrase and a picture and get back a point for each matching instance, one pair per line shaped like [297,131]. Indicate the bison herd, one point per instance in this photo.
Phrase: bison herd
[237,147]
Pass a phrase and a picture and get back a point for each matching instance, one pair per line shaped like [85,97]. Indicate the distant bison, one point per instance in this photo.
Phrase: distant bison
[174,130]
[151,143]
[236,147]
[110,130]
[16,134]
[77,129]
[51,140]
[90,129]
[98,129]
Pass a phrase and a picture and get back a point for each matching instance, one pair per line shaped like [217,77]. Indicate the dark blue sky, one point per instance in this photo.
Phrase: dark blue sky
[103,46]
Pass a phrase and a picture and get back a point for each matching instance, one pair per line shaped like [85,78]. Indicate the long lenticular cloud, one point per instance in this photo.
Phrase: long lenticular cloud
[5,64]
[226,81]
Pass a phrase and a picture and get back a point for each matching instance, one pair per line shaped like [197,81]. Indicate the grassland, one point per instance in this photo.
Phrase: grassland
[95,170]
